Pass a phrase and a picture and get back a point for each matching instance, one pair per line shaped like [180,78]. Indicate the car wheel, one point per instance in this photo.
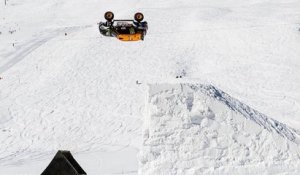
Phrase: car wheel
[109,16]
[138,17]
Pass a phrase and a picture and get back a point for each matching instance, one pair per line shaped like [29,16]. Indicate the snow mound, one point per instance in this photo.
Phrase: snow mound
[199,129]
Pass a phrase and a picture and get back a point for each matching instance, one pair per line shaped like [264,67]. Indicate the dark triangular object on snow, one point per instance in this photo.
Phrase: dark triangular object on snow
[63,163]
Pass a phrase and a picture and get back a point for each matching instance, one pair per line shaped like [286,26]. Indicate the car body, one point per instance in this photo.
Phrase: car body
[124,30]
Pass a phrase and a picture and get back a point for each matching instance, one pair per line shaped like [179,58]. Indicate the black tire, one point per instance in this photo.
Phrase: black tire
[138,17]
[109,16]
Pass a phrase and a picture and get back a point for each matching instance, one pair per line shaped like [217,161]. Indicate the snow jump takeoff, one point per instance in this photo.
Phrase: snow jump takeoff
[123,29]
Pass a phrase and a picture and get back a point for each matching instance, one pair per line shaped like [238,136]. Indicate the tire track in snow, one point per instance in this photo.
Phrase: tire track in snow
[30,46]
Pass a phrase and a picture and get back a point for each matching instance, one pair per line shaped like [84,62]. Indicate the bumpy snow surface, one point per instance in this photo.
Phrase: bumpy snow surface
[198,129]
[64,86]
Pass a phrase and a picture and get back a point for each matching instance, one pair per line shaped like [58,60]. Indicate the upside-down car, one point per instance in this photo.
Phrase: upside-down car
[124,29]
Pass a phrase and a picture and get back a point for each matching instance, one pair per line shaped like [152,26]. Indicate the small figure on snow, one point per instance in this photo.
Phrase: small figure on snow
[137,82]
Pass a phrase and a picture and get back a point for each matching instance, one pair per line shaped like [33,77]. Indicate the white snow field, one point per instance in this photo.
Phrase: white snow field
[64,86]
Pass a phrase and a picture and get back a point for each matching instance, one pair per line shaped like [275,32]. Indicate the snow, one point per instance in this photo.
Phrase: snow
[198,129]
[78,91]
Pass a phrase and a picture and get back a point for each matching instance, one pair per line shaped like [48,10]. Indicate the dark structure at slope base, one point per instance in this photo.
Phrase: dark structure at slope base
[63,163]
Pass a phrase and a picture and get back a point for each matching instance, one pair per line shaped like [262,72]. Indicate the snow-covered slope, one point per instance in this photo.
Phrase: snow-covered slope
[198,129]
[78,91]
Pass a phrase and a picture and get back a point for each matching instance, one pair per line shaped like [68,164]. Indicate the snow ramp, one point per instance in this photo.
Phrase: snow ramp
[199,129]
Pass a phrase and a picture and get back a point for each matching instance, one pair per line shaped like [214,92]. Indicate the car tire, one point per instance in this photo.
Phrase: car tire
[109,16]
[138,17]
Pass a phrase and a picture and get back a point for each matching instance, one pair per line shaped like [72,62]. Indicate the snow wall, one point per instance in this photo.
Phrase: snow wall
[199,129]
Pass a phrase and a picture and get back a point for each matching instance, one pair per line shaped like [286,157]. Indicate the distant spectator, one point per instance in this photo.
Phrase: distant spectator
[137,82]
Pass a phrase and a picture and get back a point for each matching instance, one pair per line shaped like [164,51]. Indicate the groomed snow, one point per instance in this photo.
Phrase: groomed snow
[199,129]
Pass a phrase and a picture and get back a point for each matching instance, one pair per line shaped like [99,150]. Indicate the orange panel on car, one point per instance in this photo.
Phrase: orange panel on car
[130,37]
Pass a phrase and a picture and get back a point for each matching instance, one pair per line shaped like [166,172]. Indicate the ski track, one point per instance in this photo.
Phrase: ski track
[30,46]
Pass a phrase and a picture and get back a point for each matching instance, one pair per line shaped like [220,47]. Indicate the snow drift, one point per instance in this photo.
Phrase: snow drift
[199,129]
